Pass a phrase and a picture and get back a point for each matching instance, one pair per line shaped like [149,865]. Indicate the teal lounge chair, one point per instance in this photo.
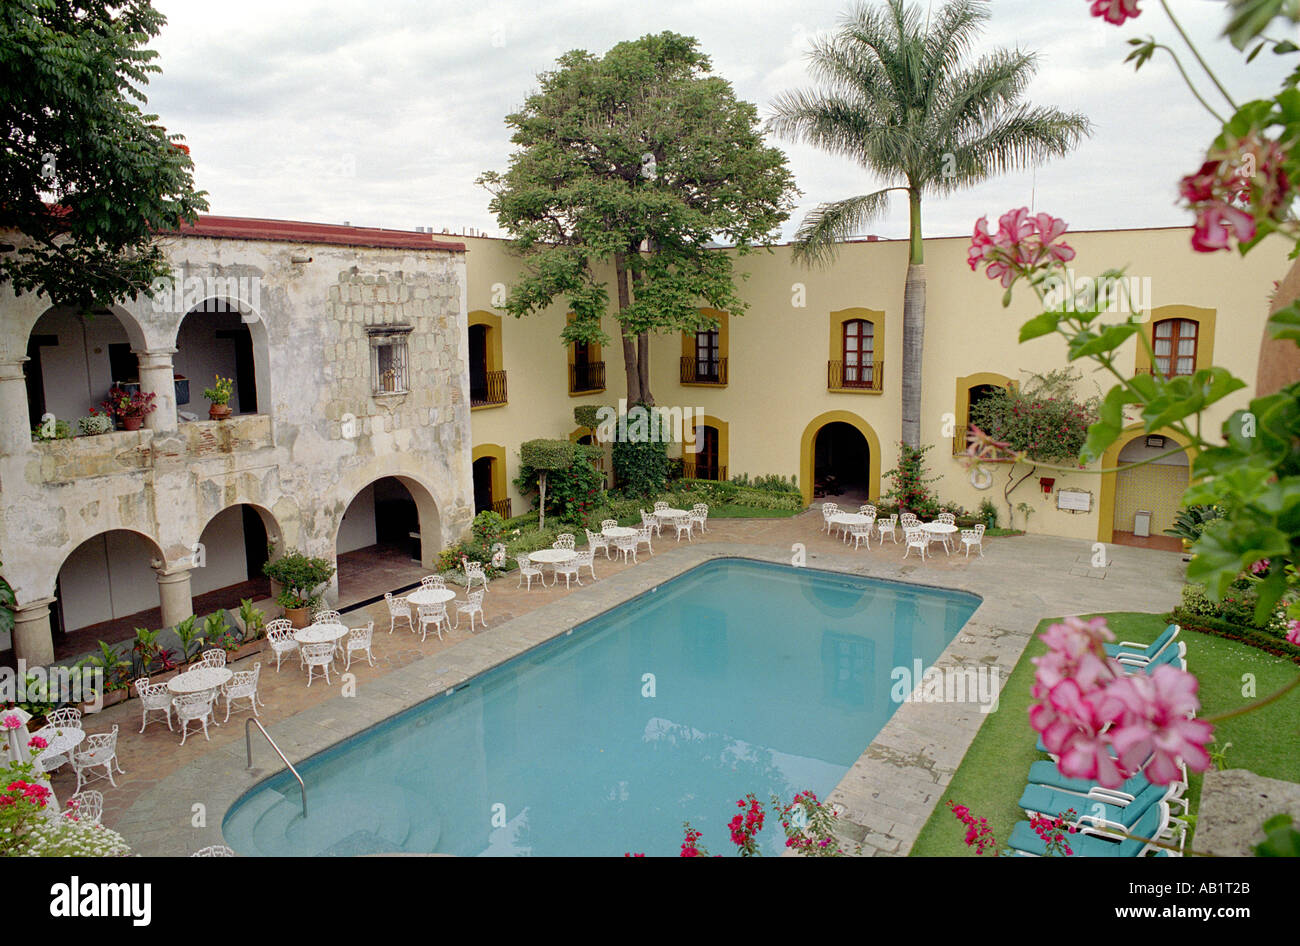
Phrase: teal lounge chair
[1100,812]
[1130,652]
[1153,823]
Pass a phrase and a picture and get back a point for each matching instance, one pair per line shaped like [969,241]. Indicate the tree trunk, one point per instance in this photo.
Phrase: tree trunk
[643,367]
[541,490]
[630,367]
[913,328]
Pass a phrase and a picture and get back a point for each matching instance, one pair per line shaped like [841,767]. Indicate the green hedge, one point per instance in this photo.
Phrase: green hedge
[1262,640]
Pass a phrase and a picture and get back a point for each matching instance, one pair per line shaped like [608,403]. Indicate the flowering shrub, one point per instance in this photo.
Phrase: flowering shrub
[1054,831]
[744,828]
[978,833]
[124,404]
[71,837]
[1085,706]
[910,489]
[1042,420]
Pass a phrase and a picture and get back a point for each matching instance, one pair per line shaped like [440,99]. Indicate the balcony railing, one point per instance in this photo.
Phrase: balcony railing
[488,388]
[696,371]
[693,471]
[502,508]
[860,378]
[588,377]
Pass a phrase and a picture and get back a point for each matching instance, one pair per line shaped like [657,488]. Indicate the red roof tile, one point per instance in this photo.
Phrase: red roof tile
[293,231]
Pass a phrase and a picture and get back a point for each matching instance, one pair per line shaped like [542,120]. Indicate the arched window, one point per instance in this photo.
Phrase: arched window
[1174,344]
[859,353]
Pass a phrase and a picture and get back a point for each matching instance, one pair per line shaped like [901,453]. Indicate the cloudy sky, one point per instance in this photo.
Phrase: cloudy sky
[383,112]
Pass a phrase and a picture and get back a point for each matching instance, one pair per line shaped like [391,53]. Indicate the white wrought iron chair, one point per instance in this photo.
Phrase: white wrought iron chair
[862,532]
[888,525]
[608,524]
[154,698]
[867,510]
[358,641]
[85,806]
[214,657]
[243,686]
[569,570]
[909,520]
[474,605]
[654,522]
[627,544]
[398,608]
[434,614]
[684,524]
[326,616]
[916,538]
[643,538]
[530,571]
[587,559]
[279,634]
[950,519]
[973,538]
[828,510]
[565,540]
[69,717]
[596,540]
[318,655]
[195,707]
[98,750]
[475,570]
[700,513]
[433,582]
[661,506]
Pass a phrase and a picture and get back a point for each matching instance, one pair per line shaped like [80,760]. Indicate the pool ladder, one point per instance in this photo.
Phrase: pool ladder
[248,744]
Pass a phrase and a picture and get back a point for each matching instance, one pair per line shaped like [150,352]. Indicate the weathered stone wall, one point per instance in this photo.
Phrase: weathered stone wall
[321,435]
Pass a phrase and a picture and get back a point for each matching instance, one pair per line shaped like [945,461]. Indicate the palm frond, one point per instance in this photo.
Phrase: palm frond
[834,223]
[1024,137]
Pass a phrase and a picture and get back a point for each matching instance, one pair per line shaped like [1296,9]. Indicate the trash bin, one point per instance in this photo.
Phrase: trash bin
[1142,522]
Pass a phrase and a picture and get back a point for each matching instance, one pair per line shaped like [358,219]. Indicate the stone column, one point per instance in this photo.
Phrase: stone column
[158,378]
[174,596]
[15,425]
[33,641]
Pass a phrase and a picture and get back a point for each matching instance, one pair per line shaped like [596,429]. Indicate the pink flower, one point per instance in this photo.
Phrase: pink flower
[1023,243]
[1157,722]
[1216,222]
[1116,11]
[1293,633]
[37,742]
[1259,567]
[11,722]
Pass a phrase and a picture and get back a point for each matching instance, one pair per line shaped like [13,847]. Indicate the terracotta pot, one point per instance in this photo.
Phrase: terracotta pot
[219,411]
[298,617]
[132,423]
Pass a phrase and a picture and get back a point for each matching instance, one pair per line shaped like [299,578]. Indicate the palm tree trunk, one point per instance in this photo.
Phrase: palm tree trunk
[913,328]
[630,366]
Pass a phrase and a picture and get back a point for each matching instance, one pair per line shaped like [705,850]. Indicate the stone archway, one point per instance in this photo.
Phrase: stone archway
[808,452]
[1156,487]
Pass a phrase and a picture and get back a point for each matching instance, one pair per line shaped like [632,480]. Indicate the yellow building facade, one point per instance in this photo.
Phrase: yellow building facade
[807,380]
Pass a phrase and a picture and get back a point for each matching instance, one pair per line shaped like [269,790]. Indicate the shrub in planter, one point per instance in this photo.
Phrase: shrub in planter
[218,633]
[95,423]
[191,638]
[300,578]
[564,475]
[52,430]
[148,656]
[253,619]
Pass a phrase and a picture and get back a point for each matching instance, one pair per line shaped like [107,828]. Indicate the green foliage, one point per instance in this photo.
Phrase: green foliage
[487,527]
[69,73]
[772,483]
[94,424]
[910,486]
[547,455]
[58,430]
[116,668]
[220,391]
[640,466]
[988,514]
[1190,521]
[572,490]
[147,655]
[8,603]
[1280,838]
[1042,418]
[191,638]
[253,618]
[1237,606]
[299,576]
[218,633]
[587,415]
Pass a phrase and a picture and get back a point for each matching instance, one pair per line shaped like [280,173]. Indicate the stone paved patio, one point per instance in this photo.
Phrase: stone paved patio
[886,796]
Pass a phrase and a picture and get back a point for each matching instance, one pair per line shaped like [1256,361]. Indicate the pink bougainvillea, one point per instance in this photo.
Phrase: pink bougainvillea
[1116,11]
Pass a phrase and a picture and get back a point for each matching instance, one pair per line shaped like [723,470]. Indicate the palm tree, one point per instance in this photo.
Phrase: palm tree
[900,99]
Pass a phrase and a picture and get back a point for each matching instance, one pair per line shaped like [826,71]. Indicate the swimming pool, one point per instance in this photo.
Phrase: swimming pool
[737,676]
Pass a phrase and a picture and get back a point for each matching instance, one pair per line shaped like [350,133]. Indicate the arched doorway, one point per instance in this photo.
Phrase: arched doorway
[105,588]
[232,549]
[73,359]
[839,451]
[389,537]
[214,340]
[1144,498]
[489,472]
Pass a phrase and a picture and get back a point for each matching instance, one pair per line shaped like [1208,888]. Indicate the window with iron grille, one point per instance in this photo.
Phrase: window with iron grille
[388,359]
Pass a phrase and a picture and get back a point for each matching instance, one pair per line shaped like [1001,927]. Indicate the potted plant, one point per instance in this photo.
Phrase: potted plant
[147,655]
[217,633]
[129,407]
[302,579]
[219,395]
[252,620]
[190,637]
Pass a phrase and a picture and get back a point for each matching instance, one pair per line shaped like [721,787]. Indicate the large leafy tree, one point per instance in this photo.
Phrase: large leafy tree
[900,99]
[638,159]
[87,179]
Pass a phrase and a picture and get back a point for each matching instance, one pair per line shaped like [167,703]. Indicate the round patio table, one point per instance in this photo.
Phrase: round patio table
[552,557]
[941,529]
[62,741]
[671,513]
[199,679]
[427,596]
[620,532]
[320,633]
[851,519]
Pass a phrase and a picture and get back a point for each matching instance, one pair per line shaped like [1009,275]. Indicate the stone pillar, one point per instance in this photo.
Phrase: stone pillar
[33,641]
[158,378]
[174,595]
[15,425]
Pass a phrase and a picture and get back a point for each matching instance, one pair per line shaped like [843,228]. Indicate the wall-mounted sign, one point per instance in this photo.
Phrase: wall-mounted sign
[1156,442]
[1074,500]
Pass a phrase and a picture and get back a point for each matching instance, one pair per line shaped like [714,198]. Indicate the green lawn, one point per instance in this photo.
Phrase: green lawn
[992,776]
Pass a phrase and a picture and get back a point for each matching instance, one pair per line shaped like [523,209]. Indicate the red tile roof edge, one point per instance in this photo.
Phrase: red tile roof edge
[293,231]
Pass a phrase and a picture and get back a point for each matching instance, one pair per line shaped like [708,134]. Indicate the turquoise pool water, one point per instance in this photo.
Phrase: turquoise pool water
[735,677]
